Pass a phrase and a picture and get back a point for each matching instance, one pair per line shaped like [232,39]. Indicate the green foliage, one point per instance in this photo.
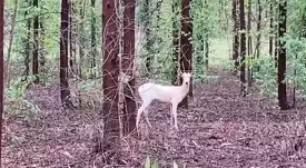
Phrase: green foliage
[17,88]
[266,76]
[16,104]
[148,164]
[296,73]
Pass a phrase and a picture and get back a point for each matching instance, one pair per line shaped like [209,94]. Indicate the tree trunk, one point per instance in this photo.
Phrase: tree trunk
[276,28]
[175,41]
[110,71]
[158,8]
[271,27]
[64,85]
[1,69]
[35,63]
[147,25]
[236,37]
[27,45]
[42,59]
[258,26]
[70,46]
[128,57]
[186,46]
[250,46]
[242,49]
[93,40]
[281,68]
[81,38]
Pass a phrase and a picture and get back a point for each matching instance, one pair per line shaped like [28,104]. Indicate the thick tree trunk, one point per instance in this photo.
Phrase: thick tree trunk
[64,85]
[242,49]
[110,72]
[186,46]
[35,63]
[281,68]
[129,118]
[236,37]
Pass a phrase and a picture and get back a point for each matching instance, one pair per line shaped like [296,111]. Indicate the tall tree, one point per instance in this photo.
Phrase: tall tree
[258,27]
[64,85]
[1,69]
[158,9]
[70,40]
[276,33]
[42,59]
[110,71]
[235,32]
[35,64]
[81,36]
[128,57]
[271,26]
[281,67]
[27,43]
[147,25]
[175,40]
[249,45]
[186,45]
[93,38]
[242,48]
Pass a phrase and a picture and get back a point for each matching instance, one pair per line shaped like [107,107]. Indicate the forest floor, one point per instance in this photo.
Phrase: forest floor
[218,130]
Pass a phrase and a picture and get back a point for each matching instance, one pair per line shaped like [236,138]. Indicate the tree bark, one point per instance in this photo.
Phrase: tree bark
[110,71]
[236,37]
[250,46]
[27,45]
[258,27]
[35,63]
[242,48]
[186,46]
[70,42]
[129,118]
[64,85]
[271,27]
[42,59]
[93,39]
[276,28]
[281,68]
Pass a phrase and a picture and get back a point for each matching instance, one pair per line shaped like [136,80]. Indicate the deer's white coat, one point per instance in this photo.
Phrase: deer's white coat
[168,94]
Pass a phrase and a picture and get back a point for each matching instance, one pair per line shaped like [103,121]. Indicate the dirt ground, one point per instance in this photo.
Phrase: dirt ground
[218,130]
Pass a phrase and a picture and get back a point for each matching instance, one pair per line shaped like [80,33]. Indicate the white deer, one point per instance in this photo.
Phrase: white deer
[168,94]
